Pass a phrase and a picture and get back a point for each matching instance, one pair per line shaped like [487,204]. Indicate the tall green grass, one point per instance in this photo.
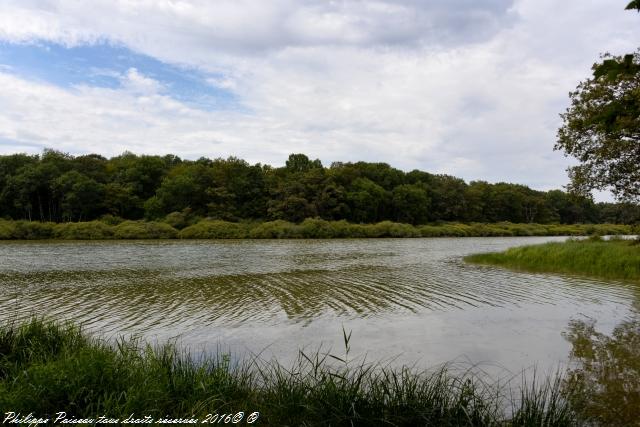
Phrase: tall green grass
[613,259]
[311,228]
[48,367]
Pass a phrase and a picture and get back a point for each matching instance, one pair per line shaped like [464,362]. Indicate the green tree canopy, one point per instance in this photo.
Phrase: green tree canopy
[635,4]
[602,129]
[55,186]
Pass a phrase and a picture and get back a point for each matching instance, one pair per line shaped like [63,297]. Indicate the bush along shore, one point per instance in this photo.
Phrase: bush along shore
[115,228]
[608,259]
[47,368]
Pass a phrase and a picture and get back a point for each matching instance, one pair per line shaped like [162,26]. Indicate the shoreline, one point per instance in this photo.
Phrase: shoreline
[53,368]
[308,229]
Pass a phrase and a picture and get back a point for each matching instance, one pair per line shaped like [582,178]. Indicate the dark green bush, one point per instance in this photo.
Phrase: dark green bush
[214,229]
[28,230]
[180,220]
[391,229]
[6,229]
[144,230]
[316,228]
[111,219]
[94,230]
[278,229]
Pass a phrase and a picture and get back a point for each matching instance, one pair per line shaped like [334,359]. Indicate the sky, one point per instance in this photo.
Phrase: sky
[468,88]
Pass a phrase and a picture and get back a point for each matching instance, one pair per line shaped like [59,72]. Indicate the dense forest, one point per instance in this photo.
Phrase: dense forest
[60,187]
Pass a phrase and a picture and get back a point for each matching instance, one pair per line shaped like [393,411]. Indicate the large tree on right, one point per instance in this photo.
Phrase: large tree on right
[601,128]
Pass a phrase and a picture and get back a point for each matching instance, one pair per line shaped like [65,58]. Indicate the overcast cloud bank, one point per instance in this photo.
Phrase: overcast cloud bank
[468,88]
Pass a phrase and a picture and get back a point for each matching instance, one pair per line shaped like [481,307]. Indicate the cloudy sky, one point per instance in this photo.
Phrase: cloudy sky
[471,88]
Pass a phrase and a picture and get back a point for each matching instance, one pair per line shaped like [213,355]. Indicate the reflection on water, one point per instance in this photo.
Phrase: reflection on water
[409,297]
[606,378]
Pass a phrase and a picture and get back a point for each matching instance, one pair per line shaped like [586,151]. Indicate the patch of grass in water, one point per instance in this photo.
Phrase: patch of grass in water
[594,257]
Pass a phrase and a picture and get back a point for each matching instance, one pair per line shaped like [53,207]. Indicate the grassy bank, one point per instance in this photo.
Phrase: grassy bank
[46,368]
[111,228]
[613,259]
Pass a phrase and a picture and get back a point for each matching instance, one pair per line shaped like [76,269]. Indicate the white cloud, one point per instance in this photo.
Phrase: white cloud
[249,25]
[137,83]
[222,82]
[462,87]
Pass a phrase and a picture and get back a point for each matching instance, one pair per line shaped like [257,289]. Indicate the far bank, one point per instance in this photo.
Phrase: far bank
[310,228]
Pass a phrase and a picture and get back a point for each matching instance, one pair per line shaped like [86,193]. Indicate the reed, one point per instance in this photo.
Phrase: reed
[612,259]
[47,367]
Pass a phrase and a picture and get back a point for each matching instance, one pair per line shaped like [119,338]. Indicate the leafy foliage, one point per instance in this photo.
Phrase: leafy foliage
[56,187]
[602,128]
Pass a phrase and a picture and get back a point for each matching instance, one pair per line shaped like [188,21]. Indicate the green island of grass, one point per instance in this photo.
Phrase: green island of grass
[615,259]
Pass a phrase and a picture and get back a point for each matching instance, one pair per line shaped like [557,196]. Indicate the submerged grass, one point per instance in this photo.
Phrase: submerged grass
[612,259]
[48,367]
[310,228]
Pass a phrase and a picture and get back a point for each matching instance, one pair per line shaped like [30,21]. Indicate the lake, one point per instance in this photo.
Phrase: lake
[405,301]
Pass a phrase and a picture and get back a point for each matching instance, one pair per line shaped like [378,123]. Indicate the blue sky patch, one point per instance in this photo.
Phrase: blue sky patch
[104,65]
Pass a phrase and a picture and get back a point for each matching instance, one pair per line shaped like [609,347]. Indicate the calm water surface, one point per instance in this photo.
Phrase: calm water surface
[409,301]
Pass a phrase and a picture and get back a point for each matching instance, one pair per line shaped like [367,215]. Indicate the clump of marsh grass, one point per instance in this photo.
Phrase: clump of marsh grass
[608,259]
[48,367]
[545,404]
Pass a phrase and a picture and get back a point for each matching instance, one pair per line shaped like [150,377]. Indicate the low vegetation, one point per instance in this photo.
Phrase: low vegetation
[311,228]
[612,259]
[48,367]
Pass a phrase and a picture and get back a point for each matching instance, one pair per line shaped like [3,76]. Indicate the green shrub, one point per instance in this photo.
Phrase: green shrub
[214,229]
[94,230]
[431,231]
[345,229]
[144,230]
[180,220]
[177,220]
[6,229]
[111,219]
[456,230]
[315,228]
[391,229]
[32,230]
[278,229]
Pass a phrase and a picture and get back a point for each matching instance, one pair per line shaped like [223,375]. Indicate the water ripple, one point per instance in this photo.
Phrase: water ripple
[126,286]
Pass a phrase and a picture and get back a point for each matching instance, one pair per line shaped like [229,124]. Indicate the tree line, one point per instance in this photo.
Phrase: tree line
[59,187]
